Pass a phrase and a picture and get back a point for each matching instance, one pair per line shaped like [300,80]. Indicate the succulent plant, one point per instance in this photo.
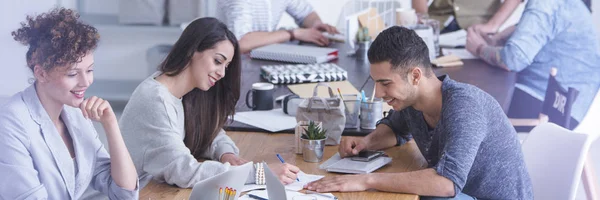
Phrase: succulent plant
[314,132]
[363,35]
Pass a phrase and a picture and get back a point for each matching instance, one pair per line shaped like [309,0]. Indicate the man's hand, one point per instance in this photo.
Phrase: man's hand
[474,41]
[350,146]
[311,35]
[326,28]
[344,183]
[232,159]
[484,29]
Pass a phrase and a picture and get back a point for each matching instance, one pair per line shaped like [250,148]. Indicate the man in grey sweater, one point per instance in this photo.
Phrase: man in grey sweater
[471,148]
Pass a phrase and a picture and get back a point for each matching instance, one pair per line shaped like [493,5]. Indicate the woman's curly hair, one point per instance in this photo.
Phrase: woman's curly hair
[56,38]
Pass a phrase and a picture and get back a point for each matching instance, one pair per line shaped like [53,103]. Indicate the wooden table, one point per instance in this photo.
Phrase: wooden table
[256,146]
[495,81]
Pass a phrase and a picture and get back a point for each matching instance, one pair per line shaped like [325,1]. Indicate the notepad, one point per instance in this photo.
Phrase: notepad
[303,73]
[349,166]
[294,53]
[271,120]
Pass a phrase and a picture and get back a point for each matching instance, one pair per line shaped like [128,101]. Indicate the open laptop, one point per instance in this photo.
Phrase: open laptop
[234,178]
[275,189]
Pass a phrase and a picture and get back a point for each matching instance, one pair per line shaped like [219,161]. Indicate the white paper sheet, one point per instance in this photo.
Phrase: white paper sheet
[453,39]
[304,179]
[272,120]
[461,53]
[288,193]
[295,186]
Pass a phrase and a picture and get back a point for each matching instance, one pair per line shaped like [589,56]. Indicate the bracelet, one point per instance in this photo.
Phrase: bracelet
[291,32]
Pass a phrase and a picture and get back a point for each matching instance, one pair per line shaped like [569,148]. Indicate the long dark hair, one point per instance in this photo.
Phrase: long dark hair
[205,111]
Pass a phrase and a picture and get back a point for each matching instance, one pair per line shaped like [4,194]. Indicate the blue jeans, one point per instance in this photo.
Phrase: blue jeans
[459,196]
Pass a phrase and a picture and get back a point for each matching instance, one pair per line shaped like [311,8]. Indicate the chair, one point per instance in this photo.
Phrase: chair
[556,107]
[555,157]
[588,4]
[589,125]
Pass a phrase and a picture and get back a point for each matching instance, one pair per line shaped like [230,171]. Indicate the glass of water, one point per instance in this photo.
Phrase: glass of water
[435,26]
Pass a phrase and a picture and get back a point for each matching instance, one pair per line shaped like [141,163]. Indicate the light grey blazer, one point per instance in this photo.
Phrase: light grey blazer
[34,161]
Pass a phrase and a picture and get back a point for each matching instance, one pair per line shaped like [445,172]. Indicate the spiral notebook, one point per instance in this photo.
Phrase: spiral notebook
[303,73]
[294,53]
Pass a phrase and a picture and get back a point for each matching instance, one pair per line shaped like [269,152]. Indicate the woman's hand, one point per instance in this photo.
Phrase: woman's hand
[285,172]
[98,109]
[233,159]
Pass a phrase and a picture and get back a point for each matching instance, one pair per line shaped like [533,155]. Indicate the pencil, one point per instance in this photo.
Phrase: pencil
[344,101]
[233,195]
[226,193]
[220,193]
[374,89]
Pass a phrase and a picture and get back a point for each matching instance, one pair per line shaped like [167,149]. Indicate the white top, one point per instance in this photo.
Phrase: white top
[35,162]
[153,129]
[244,16]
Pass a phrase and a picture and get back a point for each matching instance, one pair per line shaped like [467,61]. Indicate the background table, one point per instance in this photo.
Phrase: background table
[495,81]
[263,147]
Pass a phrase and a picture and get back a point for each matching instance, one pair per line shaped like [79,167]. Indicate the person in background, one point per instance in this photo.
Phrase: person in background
[472,151]
[558,34]
[173,122]
[254,22]
[50,149]
[485,16]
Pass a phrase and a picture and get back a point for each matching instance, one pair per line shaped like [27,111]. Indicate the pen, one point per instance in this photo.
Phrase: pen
[321,194]
[364,97]
[281,159]
[256,197]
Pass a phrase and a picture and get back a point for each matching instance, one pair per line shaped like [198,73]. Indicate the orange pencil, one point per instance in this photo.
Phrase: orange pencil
[226,192]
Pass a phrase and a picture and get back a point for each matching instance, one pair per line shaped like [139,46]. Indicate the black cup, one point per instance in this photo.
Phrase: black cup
[262,96]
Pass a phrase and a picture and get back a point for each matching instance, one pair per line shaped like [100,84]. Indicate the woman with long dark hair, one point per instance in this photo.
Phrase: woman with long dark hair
[175,117]
[49,147]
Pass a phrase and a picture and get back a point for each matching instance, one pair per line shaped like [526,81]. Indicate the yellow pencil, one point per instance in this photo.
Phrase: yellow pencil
[233,195]
[227,194]
[220,193]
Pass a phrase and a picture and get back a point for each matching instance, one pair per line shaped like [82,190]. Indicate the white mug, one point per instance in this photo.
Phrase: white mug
[406,17]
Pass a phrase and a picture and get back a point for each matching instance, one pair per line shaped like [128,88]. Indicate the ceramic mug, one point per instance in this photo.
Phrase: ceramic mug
[262,96]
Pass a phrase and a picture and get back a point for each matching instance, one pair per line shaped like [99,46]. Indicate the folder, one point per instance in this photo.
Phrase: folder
[294,53]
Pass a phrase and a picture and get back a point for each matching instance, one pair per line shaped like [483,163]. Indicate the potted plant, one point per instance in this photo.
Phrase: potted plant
[363,40]
[313,142]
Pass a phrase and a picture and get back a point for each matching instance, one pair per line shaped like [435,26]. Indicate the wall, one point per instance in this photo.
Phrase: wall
[15,74]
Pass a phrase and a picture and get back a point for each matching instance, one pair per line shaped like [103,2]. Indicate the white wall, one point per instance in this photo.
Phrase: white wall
[15,74]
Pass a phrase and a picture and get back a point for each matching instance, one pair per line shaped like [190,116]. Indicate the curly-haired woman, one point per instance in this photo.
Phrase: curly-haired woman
[50,149]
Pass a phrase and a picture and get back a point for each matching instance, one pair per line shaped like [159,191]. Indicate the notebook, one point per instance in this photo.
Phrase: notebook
[276,190]
[303,73]
[348,166]
[294,53]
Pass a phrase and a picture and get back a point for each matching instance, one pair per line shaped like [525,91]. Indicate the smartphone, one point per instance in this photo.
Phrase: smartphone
[366,156]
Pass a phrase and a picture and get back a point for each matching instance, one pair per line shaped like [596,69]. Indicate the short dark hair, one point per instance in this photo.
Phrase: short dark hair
[402,47]
[56,38]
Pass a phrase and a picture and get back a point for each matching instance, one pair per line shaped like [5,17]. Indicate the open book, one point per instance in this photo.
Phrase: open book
[346,165]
